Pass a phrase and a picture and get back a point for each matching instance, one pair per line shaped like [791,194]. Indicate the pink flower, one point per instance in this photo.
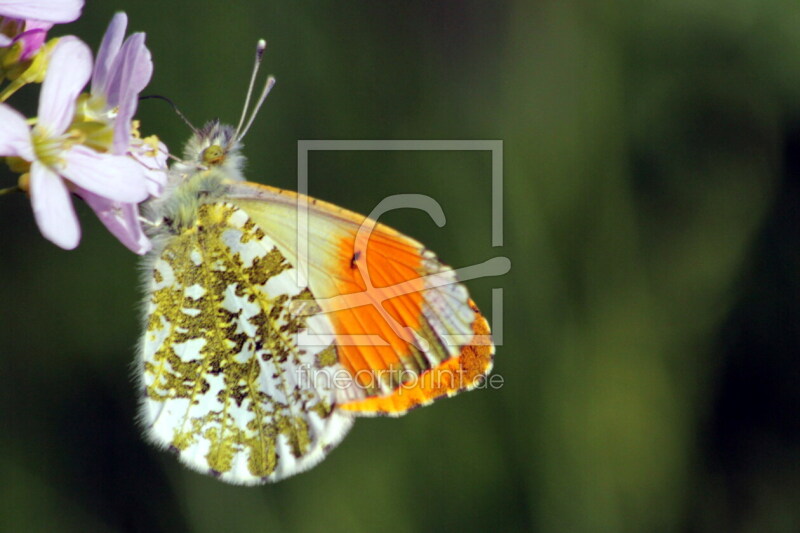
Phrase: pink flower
[121,71]
[30,34]
[122,219]
[153,155]
[27,22]
[59,162]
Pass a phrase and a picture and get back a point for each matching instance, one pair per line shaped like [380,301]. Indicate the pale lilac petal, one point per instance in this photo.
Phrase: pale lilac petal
[130,72]
[156,180]
[135,68]
[155,165]
[109,48]
[5,40]
[53,207]
[116,177]
[122,220]
[69,70]
[15,134]
[37,25]
[47,10]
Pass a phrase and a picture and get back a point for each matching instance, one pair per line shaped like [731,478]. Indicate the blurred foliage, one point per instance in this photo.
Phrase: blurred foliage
[650,320]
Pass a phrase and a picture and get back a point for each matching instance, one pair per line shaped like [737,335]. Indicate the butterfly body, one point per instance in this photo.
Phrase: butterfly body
[253,368]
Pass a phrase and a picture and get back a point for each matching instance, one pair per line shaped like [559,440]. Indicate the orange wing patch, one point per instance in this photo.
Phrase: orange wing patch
[373,275]
[454,375]
[415,364]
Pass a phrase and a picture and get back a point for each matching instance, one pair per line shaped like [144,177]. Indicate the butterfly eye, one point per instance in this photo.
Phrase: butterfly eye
[213,155]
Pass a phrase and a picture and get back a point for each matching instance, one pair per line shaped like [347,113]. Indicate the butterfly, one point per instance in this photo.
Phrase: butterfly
[273,320]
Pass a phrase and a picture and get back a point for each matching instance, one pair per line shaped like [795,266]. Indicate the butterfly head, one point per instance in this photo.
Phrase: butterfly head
[215,146]
[212,159]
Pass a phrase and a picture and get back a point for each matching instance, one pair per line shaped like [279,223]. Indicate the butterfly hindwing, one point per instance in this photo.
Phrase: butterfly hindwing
[227,375]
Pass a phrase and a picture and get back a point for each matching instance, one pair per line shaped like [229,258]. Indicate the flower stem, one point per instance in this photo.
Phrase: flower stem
[9,190]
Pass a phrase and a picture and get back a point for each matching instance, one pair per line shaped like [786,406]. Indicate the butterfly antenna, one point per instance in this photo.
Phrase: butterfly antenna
[174,108]
[267,88]
[260,47]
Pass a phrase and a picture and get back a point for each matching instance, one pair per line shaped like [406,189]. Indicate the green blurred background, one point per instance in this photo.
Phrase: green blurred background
[650,319]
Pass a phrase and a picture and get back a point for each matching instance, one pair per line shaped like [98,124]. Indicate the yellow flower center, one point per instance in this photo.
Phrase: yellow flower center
[93,122]
[47,148]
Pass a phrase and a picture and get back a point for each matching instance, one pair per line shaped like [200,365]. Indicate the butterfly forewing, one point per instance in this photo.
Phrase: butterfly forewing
[406,330]
[231,380]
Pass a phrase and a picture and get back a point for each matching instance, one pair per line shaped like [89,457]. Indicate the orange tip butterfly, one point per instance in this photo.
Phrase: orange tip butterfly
[253,368]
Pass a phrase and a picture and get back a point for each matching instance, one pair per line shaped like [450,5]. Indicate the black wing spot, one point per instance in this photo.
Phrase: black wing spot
[356,257]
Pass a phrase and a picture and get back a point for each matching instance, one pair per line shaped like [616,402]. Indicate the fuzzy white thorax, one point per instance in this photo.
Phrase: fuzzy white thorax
[196,179]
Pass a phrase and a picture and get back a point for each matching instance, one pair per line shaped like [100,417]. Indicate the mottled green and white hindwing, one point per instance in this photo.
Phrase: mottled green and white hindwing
[231,382]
